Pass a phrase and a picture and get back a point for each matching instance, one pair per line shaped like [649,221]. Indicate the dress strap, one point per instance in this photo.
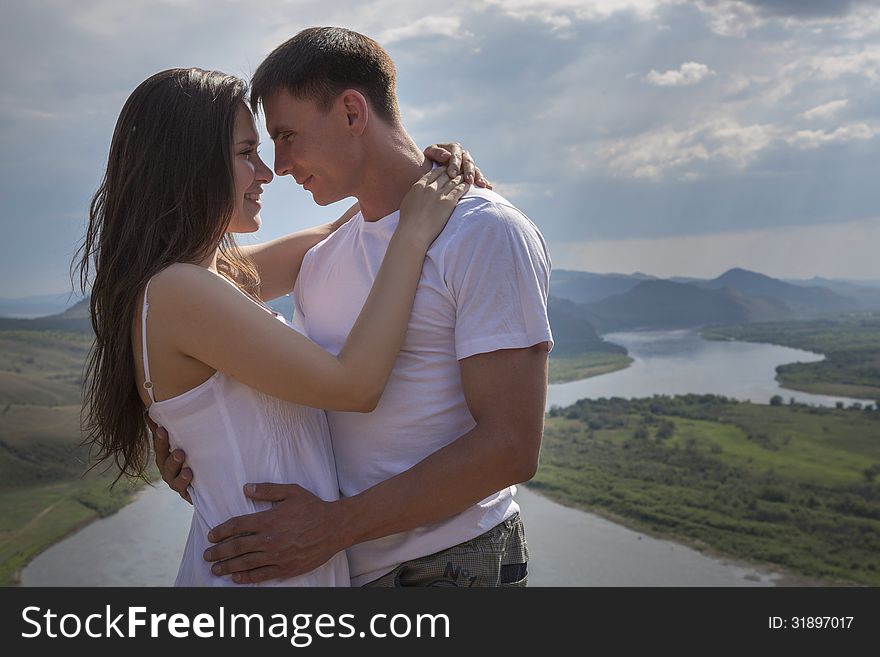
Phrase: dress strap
[148,384]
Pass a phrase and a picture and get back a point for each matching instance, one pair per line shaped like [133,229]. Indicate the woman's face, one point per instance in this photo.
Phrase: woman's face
[250,173]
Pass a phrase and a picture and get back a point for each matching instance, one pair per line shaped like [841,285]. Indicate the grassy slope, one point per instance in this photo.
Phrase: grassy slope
[43,493]
[35,517]
[583,366]
[786,485]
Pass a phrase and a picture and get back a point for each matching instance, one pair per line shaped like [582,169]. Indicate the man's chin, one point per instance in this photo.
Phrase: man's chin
[324,200]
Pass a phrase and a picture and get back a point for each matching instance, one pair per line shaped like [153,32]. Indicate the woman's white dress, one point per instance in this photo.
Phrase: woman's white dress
[232,435]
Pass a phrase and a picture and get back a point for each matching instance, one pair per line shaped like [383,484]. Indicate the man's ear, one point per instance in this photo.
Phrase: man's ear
[356,110]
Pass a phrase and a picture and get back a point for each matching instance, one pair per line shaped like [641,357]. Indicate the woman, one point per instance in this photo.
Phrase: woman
[180,327]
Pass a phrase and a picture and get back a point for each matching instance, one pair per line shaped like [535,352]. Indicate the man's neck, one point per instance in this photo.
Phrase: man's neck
[394,164]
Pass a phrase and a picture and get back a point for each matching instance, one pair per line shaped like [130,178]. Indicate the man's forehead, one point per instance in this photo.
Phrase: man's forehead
[283,111]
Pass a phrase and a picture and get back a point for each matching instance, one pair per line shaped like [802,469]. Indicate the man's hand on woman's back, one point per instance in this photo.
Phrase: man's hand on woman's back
[170,463]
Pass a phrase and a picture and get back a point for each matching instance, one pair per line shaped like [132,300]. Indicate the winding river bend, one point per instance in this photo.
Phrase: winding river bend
[141,544]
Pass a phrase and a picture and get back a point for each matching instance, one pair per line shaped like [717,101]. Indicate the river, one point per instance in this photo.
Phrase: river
[681,362]
[141,544]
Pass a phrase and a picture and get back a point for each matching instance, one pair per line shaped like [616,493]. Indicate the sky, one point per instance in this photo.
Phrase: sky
[669,137]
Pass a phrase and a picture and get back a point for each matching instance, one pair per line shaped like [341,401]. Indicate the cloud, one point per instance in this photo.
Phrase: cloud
[825,110]
[562,13]
[428,26]
[688,74]
[730,18]
[852,64]
[843,134]
[536,90]
[863,61]
[519,192]
[723,142]
[798,8]
[736,18]
[651,154]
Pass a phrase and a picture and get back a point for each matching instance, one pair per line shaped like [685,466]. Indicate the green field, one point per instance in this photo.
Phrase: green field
[851,345]
[793,485]
[41,368]
[583,366]
[33,518]
[44,494]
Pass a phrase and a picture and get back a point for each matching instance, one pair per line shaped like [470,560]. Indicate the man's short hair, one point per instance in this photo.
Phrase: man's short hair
[321,62]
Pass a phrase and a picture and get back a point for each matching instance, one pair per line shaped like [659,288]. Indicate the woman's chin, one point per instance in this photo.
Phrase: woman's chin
[248,225]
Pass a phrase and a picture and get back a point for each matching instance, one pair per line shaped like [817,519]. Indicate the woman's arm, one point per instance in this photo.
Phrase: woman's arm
[278,261]
[218,325]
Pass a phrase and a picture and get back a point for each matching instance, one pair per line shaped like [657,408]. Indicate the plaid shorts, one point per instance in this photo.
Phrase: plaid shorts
[497,558]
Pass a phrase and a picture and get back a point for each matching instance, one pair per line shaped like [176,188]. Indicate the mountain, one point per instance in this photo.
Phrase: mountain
[863,282]
[660,304]
[583,305]
[75,318]
[817,296]
[37,306]
[866,294]
[586,287]
[572,334]
[812,300]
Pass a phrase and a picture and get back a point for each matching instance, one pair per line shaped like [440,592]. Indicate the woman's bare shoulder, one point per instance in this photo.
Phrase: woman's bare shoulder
[184,281]
[180,272]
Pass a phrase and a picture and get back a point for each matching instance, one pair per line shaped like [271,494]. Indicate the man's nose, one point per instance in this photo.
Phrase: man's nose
[283,163]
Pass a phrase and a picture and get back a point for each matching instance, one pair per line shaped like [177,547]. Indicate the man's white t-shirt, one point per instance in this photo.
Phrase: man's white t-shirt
[483,287]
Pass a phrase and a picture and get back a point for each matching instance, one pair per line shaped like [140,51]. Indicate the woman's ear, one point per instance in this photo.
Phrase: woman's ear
[357,111]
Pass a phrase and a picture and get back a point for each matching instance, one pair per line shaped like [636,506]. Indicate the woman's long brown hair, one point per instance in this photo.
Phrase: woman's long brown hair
[167,196]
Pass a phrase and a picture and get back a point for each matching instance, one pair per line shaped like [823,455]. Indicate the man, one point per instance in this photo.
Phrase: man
[428,478]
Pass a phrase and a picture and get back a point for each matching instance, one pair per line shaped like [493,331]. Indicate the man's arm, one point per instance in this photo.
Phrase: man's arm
[506,394]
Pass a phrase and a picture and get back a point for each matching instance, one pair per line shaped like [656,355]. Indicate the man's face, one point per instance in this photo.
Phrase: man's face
[313,146]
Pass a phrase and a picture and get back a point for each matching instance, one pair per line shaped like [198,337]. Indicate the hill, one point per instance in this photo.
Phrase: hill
[42,368]
[586,287]
[792,485]
[573,334]
[802,300]
[75,319]
[620,301]
[637,301]
[662,304]
[37,306]
[45,492]
[866,294]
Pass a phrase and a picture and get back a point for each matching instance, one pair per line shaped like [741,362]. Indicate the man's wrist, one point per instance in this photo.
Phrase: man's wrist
[349,521]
